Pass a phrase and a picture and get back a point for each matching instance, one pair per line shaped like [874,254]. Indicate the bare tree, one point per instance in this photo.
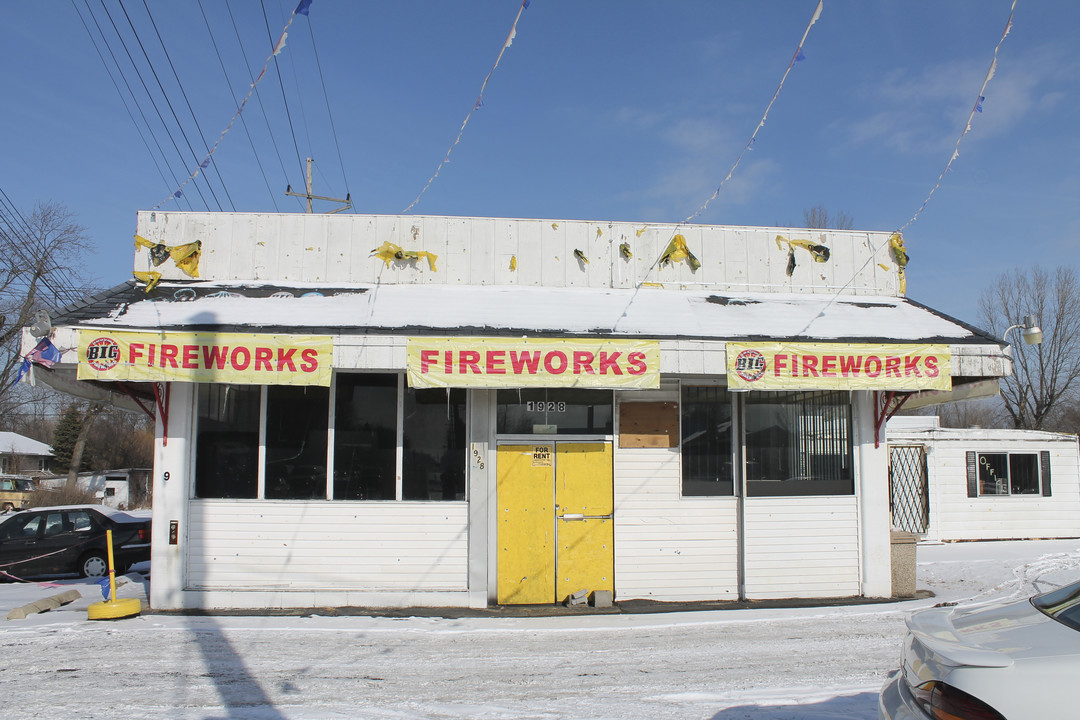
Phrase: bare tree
[1043,375]
[40,254]
[819,217]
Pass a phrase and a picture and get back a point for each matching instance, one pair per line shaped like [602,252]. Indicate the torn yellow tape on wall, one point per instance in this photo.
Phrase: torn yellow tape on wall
[677,251]
[389,252]
[185,256]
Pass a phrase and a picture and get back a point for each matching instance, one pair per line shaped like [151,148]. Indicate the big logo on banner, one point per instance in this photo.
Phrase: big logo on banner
[855,366]
[235,358]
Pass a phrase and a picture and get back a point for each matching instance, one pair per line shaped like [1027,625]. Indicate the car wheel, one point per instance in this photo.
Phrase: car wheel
[94,564]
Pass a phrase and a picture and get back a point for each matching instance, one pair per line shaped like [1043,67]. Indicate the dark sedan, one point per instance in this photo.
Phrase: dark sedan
[70,539]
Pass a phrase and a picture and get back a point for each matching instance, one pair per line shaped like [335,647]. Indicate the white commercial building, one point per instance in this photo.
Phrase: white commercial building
[435,411]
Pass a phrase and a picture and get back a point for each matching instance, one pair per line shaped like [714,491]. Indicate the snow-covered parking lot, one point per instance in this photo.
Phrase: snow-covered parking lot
[759,664]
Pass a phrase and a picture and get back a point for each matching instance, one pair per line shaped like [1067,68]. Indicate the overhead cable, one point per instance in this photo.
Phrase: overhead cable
[301,9]
[243,121]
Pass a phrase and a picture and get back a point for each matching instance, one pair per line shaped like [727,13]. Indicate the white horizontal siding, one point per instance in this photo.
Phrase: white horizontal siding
[477,251]
[258,545]
[955,516]
[668,547]
[802,547]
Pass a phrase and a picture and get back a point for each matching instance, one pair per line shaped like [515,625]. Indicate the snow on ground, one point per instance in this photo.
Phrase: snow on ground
[760,664]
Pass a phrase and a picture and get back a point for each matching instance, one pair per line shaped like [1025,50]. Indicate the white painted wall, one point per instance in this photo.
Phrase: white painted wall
[478,251]
[802,547]
[327,545]
[669,547]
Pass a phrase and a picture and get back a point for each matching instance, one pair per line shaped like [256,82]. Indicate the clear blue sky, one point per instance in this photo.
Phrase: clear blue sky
[599,110]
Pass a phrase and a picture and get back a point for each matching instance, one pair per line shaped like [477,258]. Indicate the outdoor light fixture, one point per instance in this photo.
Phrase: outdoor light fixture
[1029,329]
[42,325]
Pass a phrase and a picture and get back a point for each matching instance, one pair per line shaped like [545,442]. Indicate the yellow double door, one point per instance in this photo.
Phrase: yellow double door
[555,528]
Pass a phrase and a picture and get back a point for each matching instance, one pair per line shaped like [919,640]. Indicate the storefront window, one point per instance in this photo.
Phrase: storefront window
[296,433]
[365,437]
[1008,474]
[433,466]
[555,411]
[227,462]
[798,443]
[707,460]
[296,422]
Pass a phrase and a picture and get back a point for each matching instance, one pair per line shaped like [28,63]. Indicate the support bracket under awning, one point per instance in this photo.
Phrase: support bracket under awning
[884,410]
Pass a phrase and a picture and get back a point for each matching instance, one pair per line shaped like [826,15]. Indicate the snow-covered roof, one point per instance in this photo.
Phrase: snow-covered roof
[515,310]
[976,434]
[21,445]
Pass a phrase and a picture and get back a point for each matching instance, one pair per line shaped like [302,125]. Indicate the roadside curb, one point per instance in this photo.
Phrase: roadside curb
[44,605]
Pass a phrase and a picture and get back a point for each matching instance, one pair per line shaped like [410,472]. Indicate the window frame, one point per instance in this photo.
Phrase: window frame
[1036,459]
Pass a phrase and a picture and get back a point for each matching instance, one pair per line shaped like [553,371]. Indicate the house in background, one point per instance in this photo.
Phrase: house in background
[123,489]
[978,484]
[22,455]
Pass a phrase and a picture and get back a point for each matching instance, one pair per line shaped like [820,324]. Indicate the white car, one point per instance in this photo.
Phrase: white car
[1013,660]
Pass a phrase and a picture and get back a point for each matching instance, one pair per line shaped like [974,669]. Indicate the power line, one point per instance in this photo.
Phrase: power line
[187,101]
[168,102]
[157,110]
[228,83]
[281,84]
[123,99]
[326,96]
[258,96]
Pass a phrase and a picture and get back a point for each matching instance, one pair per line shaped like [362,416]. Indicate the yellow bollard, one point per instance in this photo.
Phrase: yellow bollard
[113,609]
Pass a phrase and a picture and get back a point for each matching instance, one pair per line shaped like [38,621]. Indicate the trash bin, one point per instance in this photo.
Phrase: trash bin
[903,563]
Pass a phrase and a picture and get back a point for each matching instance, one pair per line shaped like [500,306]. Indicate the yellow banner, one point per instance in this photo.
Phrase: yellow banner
[514,363]
[234,358]
[821,366]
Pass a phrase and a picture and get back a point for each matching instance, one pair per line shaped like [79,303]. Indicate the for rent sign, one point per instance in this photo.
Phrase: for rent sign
[236,358]
[507,363]
[817,366]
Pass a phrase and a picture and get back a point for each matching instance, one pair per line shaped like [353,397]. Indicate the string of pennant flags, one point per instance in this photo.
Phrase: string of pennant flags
[478,104]
[896,241]
[981,98]
[798,57]
[304,9]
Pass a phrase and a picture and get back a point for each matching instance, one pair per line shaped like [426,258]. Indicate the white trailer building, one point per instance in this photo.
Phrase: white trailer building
[436,411]
[980,484]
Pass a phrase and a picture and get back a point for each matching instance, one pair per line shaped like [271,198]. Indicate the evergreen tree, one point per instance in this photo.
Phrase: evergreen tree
[65,437]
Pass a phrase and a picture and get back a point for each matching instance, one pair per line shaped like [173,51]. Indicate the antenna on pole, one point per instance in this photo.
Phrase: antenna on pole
[345,204]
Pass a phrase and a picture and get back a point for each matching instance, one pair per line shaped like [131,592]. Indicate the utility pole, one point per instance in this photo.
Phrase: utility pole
[346,203]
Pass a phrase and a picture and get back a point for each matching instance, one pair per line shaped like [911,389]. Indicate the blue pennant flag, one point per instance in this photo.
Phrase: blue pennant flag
[526,4]
[799,57]
[978,105]
[177,194]
[204,163]
[303,7]
[45,353]
[23,369]
[104,583]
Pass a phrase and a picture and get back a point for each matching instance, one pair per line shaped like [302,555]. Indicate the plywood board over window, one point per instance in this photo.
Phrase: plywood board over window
[649,425]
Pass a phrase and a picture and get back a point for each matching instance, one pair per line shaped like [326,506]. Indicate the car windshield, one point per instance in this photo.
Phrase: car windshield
[1062,604]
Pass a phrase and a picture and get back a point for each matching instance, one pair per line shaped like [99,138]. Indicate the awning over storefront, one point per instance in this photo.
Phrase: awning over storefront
[647,312]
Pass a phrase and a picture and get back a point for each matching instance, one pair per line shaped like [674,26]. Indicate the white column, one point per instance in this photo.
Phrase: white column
[873,479]
[174,474]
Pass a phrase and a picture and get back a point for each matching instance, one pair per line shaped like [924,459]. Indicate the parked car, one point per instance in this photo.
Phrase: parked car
[15,492]
[71,539]
[1010,660]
